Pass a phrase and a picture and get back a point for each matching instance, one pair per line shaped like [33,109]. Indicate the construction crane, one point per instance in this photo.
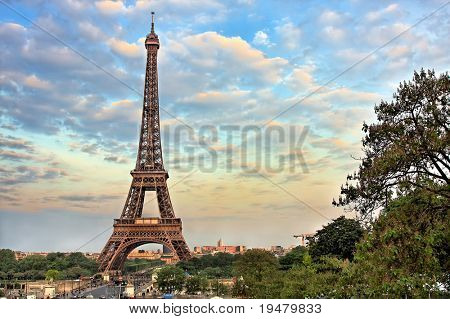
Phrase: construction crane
[303,238]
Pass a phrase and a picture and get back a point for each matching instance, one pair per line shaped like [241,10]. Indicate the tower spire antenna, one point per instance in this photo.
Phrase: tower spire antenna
[153,22]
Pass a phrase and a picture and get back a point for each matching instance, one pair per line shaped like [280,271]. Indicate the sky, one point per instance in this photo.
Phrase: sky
[262,104]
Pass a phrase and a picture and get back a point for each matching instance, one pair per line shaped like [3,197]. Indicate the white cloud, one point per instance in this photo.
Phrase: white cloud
[334,34]
[379,35]
[301,79]
[261,38]
[131,50]
[373,16]
[398,51]
[217,98]
[330,17]
[344,120]
[347,96]
[110,7]
[231,58]
[11,27]
[351,56]
[37,83]
[88,30]
[290,35]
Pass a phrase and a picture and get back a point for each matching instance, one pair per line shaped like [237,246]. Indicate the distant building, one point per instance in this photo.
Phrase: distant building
[169,259]
[304,239]
[277,250]
[145,254]
[197,250]
[21,255]
[93,256]
[220,248]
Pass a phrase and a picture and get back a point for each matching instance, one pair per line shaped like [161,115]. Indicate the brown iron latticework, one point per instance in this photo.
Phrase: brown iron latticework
[131,230]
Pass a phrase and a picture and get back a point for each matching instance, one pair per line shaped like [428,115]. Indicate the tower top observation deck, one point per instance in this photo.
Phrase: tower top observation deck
[152,38]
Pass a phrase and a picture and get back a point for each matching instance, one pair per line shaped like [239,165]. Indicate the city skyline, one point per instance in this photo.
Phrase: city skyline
[68,129]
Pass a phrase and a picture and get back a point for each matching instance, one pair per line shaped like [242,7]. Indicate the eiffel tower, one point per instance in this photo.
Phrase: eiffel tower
[131,229]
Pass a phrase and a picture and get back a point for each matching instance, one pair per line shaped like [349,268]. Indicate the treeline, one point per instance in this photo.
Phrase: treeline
[52,266]
[210,266]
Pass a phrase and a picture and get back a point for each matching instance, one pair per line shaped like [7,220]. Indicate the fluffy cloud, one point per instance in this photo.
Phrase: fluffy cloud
[15,143]
[110,7]
[381,34]
[90,31]
[261,38]
[330,17]
[34,82]
[334,34]
[131,50]
[373,16]
[290,35]
[31,174]
[301,79]
[236,61]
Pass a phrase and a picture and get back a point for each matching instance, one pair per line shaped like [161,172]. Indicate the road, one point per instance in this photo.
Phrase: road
[106,290]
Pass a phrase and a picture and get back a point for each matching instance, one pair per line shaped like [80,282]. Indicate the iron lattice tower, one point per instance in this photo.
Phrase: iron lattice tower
[131,229]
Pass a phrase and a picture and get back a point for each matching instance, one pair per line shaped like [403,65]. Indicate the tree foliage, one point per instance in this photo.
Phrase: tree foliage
[7,260]
[52,274]
[70,266]
[211,266]
[196,284]
[312,280]
[336,239]
[170,279]
[408,148]
[293,258]
[259,271]
[406,254]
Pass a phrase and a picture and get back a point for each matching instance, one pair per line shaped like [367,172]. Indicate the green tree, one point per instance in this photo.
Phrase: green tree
[79,260]
[408,148]
[7,260]
[76,272]
[239,289]
[336,239]
[34,263]
[292,258]
[170,279]
[35,266]
[406,254]
[195,284]
[259,272]
[52,274]
[214,272]
[302,282]
[213,266]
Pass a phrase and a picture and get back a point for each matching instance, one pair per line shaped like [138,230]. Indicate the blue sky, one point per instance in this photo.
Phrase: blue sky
[69,131]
